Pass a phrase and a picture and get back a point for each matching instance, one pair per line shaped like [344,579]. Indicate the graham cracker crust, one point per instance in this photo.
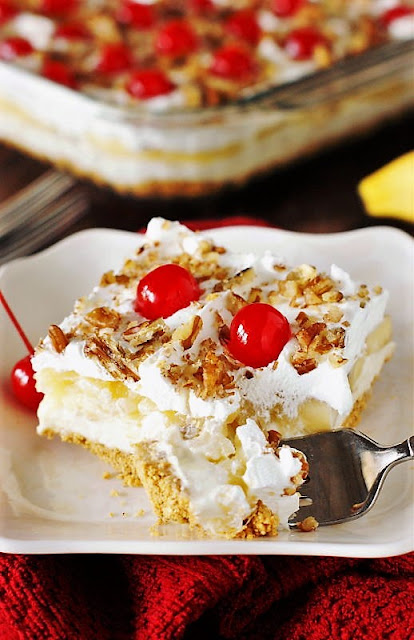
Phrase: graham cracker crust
[359,405]
[123,463]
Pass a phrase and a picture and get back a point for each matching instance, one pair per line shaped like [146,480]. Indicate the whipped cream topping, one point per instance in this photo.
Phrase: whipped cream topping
[262,387]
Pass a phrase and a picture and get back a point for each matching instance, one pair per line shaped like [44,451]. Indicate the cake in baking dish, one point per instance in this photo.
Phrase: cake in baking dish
[121,91]
[186,368]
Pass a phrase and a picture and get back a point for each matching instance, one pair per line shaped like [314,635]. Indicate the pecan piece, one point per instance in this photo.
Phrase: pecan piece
[103,317]
[308,524]
[194,329]
[58,338]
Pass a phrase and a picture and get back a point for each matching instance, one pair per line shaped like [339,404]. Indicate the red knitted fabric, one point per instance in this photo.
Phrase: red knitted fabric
[90,597]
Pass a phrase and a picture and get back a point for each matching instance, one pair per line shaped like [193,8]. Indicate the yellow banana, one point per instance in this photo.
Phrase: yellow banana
[389,192]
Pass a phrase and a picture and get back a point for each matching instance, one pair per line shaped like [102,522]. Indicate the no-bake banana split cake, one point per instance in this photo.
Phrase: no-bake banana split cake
[186,368]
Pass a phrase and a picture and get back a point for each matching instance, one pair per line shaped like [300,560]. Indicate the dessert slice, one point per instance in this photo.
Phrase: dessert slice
[184,370]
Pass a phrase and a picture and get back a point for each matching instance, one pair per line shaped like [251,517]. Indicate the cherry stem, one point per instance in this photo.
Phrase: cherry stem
[16,323]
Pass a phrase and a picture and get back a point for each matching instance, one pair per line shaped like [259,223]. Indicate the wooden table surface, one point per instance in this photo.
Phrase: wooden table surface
[317,195]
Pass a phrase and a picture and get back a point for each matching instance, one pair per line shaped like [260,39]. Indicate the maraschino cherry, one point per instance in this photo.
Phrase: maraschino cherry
[7,12]
[301,43]
[135,14]
[244,26]
[72,31]
[232,61]
[24,385]
[165,290]
[400,11]
[175,39]
[149,83]
[22,375]
[258,333]
[113,58]
[59,72]
[15,47]
[286,8]
[57,7]
[201,6]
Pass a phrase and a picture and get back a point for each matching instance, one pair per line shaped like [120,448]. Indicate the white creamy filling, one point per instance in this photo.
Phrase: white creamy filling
[38,30]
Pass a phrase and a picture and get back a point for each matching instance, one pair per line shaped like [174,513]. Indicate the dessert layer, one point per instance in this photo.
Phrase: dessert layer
[144,159]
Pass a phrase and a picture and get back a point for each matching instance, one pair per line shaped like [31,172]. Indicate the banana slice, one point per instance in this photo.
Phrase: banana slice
[389,192]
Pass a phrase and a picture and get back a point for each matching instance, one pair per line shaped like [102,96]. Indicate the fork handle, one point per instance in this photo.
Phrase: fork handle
[398,453]
[405,449]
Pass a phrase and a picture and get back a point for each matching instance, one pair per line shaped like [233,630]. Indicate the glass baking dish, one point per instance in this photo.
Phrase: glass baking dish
[195,152]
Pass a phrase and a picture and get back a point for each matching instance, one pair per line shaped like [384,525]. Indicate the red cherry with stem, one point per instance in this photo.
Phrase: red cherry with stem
[149,83]
[72,31]
[243,24]
[175,39]
[300,43]
[286,8]
[22,378]
[59,72]
[56,7]
[395,13]
[165,290]
[113,58]
[7,12]
[15,47]
[24,385]
[233,62]
[134,14]
[258,333]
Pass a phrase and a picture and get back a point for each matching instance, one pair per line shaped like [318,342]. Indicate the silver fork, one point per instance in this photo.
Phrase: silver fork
[39,213]
[346,472]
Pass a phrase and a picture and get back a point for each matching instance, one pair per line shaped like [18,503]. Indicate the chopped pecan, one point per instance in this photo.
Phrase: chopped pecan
[103,317]
[337,360]
[302,362]
[255,295]
[58,338]
[306,335]
[234,303]
[332,296]
[333,315]
[140,334]
[111,357]
[308,524]
[194,328]
[274,438]
[224,335]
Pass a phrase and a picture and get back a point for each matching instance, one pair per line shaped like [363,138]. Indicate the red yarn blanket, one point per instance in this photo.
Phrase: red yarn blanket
[98,597]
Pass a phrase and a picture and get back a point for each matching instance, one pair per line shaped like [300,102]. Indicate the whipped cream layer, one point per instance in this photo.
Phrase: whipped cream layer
[262,387]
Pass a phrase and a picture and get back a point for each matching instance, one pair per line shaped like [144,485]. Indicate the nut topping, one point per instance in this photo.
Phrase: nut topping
[103,317]
[58,338]
[189,332]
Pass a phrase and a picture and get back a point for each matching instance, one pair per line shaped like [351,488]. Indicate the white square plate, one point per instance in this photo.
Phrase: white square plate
[53,496]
